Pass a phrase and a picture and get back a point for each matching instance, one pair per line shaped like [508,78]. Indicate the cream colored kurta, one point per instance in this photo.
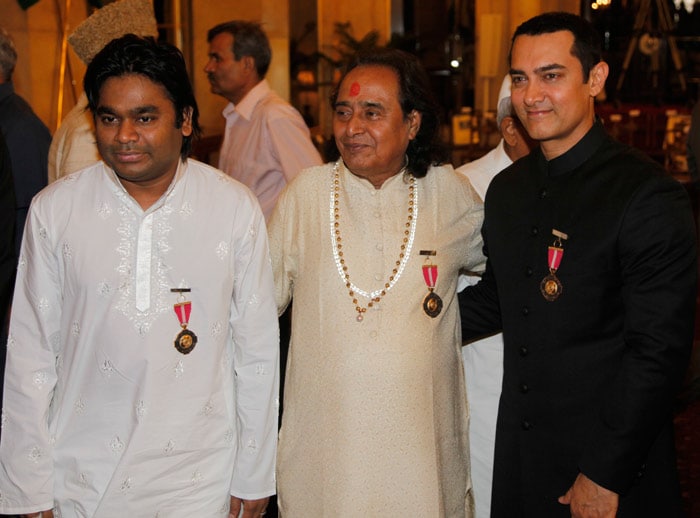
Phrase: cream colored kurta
[375,414]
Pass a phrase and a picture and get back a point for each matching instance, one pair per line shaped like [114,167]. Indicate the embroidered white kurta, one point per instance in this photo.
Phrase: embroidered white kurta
[102,415]
[375,414]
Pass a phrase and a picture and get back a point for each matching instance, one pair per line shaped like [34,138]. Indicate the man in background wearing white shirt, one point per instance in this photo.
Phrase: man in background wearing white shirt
[266,143]
[483,359]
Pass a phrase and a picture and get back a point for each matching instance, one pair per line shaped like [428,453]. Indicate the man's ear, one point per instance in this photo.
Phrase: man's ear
[414,120]
[249,63]
[509,131]
[597,77]
[186,127]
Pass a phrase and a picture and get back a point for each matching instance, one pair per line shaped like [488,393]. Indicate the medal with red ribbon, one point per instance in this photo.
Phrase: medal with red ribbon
[551,286]
[432,303]
[186,339]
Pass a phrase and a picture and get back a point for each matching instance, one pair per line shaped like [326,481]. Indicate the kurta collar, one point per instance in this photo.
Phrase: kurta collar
[577,155]
[247,105]
[364,183]
[6,90]
[122,193]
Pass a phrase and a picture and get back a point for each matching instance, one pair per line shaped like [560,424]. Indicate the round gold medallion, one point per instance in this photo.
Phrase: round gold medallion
[551,287]
[185,341]
[432,304]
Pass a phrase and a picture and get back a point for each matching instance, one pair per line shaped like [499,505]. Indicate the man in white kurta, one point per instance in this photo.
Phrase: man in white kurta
[102,415]
[375,420]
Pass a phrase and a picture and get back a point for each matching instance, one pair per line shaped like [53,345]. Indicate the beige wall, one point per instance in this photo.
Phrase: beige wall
[364,16]
[37,32]
[38,36]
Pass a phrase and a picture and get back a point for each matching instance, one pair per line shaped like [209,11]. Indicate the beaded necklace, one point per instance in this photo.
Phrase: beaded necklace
[337,242]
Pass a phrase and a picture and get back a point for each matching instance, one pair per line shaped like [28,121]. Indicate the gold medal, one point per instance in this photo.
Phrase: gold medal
[551,287]
[432,303]
[186,339]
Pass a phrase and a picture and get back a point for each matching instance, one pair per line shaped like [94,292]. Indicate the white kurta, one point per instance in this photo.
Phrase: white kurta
[102,415]
[375,416]
[73,146]
[483,360]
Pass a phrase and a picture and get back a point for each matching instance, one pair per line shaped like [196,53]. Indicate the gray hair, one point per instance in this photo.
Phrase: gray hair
[8,55]
[505,109]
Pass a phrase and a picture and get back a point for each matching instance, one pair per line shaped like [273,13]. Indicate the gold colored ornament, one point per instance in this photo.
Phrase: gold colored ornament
[337,241]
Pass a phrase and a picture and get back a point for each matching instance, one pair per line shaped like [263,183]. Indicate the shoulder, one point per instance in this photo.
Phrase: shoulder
[72,190]
[626,170]
[215,182]
[446,175]
[312,179]
[450,185]
[274,108]
[307,189]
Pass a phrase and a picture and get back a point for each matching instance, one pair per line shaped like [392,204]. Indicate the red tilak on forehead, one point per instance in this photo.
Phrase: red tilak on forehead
[354,88]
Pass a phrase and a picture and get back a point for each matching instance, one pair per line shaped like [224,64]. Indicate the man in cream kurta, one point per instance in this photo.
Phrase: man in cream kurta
[375,419]
[133,427]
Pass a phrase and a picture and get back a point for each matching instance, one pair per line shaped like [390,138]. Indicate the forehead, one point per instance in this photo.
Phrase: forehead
[221,43]
[365,82]
[132,90]
[530,52]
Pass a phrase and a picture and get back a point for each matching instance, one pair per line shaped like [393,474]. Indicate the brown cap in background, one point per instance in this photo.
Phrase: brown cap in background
[113,21]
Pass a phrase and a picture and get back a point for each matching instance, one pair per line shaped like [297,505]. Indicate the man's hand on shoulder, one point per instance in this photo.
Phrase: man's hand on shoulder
[587,499]
[40,514]
[251,508]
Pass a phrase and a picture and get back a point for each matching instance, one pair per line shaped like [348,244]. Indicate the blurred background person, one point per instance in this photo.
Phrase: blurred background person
[483,359]
[27,138]
[266,141]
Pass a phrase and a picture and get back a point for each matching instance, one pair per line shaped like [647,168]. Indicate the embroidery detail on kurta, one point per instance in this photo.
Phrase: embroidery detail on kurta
[40,379]
[104,210]
[116,444]
[186,210]
[169,447]
[35,454]
[126,485]
[222,250]
[143,283]
[79,406]
[179,369]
